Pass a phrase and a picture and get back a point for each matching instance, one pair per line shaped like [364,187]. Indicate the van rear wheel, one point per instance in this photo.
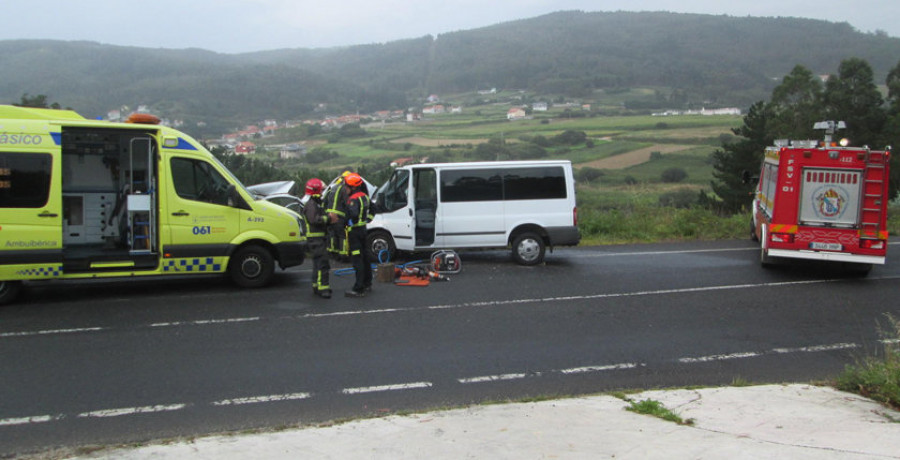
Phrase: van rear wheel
[251,267]
[528,249]
[9,290]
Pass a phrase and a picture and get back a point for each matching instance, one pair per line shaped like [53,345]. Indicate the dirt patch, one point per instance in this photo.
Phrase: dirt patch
[635,157]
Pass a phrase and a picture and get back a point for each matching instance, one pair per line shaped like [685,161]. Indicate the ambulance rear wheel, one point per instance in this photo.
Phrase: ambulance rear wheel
[528,249]
[9,290]
[252,267]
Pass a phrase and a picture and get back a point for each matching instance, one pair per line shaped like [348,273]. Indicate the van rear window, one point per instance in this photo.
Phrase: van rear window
[541,183]
[534,184]
[24,179]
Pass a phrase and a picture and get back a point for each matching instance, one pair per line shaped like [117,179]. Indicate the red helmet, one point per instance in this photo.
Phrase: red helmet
[314,187]
[353,180]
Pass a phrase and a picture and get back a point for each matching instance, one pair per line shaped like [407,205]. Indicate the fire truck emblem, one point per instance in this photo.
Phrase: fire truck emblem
[830,203]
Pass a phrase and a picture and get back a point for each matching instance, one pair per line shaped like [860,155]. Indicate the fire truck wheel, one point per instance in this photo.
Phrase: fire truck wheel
[251,267]
[8,291]
[753,236]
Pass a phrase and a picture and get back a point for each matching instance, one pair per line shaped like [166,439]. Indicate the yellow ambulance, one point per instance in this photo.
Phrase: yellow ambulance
[85,199]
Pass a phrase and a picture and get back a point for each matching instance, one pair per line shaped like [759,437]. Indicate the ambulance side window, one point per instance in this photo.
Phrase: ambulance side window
[24,179]
[198,180]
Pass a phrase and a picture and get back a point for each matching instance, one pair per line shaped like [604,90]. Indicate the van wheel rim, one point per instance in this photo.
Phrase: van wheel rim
[251,267]
[529,249]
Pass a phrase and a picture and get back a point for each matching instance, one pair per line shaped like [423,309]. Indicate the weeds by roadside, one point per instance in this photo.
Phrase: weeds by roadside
[656,409]
[875,377]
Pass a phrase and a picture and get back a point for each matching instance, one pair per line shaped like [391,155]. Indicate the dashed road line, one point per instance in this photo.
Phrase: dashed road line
[610,367]
[381,388]
[126,411]
[105,413]
[495,378]
[51,332]
[263,399]
[482,304]
[29,420]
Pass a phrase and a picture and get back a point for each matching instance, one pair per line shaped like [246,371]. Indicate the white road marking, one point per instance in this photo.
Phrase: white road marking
[29,420]
[50,332]
[816,348]
[754,354]
[610,367]
[262,399]
[206,322]
[131,411]
[705,359]
[495,378]
[395,387]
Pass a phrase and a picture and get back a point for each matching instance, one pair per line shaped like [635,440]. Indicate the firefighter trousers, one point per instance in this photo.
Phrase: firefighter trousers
[320,264]
[356,238]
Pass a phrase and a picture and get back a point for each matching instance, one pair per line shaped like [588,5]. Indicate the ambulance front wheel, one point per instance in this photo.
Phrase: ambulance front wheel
[9,290]
[380,244]
[252,267]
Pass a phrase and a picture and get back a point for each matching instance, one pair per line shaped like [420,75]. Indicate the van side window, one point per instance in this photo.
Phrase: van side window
[198,180]
[534,184]
[24,180]
[471,185]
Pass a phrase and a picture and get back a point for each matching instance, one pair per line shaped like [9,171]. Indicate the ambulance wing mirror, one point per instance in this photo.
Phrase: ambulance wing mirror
[235,200]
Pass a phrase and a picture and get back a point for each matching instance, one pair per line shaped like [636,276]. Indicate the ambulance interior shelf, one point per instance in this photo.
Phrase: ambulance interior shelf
[107,192]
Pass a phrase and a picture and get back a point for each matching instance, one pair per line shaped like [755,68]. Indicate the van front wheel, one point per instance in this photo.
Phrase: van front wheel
[251,267]
[380,243]
[528,249]
[8,291]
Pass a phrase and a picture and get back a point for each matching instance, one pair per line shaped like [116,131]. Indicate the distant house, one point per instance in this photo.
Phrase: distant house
[539,107]
[434,109]
[401,161]
[245,148]
[292,151]
[515,113]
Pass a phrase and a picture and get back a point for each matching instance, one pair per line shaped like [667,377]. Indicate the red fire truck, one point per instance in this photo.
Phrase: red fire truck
[822,201]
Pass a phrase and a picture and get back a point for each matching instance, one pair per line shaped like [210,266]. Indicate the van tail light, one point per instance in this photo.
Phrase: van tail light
[575,216]
[781,237]
[871,244]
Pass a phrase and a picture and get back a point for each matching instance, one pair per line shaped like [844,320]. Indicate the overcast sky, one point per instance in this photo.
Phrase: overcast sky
[235,26]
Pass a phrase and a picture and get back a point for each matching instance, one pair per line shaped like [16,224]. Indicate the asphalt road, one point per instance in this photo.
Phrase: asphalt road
[102,363]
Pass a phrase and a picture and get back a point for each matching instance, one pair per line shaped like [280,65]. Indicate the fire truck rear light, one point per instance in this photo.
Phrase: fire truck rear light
[872,244]
[781,238]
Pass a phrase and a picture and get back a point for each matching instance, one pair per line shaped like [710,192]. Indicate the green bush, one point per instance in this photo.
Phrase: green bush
[674,175]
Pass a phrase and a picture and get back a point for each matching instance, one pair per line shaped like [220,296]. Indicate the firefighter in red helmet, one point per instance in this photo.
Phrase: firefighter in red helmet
[316,224]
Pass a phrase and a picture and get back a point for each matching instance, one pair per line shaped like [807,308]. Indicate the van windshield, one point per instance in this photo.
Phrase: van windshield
[392,195]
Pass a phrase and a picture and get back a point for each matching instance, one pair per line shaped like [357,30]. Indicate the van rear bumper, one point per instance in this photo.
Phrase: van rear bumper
[563,236]
[290,254]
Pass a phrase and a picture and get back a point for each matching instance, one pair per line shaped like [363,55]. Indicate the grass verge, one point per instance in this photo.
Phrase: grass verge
[875,377]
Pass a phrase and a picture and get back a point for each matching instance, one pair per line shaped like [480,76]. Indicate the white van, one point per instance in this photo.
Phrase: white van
[525,205]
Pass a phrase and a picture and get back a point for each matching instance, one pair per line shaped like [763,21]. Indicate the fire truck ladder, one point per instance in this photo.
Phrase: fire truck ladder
[874,181]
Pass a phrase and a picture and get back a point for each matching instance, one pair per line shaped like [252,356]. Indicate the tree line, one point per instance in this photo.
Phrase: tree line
[795,105]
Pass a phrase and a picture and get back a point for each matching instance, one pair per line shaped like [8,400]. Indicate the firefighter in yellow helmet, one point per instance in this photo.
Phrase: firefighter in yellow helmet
[335,203]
